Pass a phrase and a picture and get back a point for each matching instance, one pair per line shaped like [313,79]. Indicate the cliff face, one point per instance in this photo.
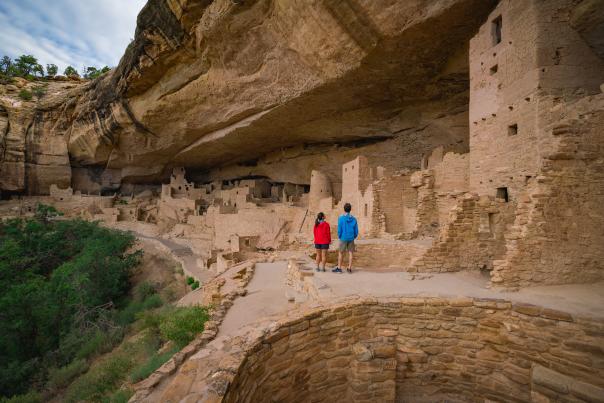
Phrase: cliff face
[208,84]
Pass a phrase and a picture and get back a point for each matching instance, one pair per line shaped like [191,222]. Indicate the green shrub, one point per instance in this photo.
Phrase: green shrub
[133,310]
[190,280]
[120,396]
[25,95]
[155,361]
[61,377]
[183,324]
[39,91]
[99,380]
[143,290]
[99,343]
[31,397]
[195,285]
[152,302]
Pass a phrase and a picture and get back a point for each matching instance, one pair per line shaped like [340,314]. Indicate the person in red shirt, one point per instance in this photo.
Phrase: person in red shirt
[322,234]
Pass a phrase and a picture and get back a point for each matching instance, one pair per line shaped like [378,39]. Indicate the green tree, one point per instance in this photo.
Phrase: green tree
[38,70]
[92,72]
[26,65]
[52,69]
[5,64]
[60,280]
[70,71]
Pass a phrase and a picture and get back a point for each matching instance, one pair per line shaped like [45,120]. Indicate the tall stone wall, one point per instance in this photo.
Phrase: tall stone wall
[557,235]
[537,60]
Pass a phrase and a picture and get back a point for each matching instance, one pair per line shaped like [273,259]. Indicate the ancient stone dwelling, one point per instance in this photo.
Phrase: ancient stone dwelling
[467,135]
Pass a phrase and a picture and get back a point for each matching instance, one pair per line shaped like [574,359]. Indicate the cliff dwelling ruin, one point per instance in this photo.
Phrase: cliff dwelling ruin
[466,134]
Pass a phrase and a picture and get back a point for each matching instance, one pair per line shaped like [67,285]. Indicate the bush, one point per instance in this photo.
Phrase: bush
[143,290]
[121,396]
[99,343]
[133,310]
[190,280]
[183,324]
[195,285]
[61,377]
[39,91]
[155,361]
[25,95]
[31,397]
[100,380]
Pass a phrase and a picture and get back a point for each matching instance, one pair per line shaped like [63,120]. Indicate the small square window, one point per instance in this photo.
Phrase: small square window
[513,130]
[494,69]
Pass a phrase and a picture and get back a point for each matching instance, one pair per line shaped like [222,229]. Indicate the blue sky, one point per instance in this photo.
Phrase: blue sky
[68,32]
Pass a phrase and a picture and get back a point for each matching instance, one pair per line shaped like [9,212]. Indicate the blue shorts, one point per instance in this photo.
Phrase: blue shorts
[321,246]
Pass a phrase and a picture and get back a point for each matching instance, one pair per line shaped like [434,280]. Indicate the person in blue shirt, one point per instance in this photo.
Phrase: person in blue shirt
[348,230]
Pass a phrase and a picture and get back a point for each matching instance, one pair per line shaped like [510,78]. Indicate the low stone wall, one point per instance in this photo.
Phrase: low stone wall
[402,349]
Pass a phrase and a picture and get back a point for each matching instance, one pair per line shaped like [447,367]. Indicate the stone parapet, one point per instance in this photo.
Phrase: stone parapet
[391,349]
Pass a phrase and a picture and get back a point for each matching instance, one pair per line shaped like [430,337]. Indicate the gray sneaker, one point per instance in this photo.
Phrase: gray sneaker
[337,270]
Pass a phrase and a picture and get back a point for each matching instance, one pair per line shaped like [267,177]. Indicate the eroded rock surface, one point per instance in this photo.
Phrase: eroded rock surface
[216,83]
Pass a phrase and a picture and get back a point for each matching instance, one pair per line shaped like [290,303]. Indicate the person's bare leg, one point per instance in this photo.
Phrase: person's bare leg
[324,253]
[318,258]
[350,261]
[339,258]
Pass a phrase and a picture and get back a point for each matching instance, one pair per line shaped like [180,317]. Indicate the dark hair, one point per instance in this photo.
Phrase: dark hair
[347,207]
[320,217]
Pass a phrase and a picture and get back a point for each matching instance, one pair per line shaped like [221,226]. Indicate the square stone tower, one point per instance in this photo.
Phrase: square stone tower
[524,61]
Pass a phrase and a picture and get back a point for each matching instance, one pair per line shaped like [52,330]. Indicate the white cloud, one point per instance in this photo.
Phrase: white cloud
[68,32]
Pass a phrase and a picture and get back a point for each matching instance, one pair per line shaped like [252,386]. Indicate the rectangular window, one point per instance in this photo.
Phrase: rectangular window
[502,193]
[513,129]
[494,69]
[365,210]
[496,30]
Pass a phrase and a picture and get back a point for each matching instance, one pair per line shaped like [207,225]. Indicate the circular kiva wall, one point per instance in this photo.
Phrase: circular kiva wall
[425,350]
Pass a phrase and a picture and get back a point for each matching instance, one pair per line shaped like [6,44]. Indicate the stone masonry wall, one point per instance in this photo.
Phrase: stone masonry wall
[402,349]
[471,240]
[394,205]
[557,235]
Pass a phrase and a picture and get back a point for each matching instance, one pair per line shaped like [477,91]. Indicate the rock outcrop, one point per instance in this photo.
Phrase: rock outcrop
[209,84]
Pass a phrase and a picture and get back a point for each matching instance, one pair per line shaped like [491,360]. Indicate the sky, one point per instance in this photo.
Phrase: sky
[68,32]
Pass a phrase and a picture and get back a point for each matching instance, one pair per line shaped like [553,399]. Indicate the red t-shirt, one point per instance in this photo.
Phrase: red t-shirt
[322,233]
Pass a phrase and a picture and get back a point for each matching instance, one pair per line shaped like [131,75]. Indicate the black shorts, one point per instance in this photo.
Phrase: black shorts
[321,246]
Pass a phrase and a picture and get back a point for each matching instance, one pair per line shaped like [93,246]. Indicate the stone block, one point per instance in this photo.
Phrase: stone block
[550,379]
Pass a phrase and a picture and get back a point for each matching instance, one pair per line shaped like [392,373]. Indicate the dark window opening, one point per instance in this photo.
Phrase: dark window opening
[513,129]
[502,193]
[496,30]
[365,210]
[494,69]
